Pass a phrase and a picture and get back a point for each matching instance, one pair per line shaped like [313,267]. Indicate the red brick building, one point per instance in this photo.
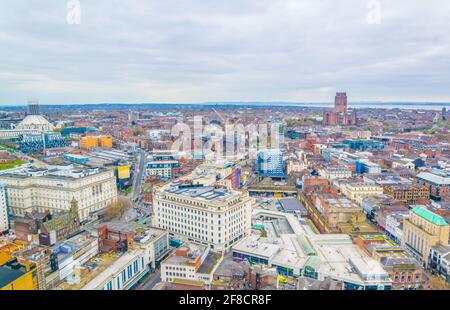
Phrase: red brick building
[340,114]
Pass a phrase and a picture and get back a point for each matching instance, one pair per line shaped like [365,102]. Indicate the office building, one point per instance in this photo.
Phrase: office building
[359,191]
[191,262]
[123,175]
[90,142]
[365,166]
[163,168]
[423,230]
[332,173]
[30,143]
[437,181]
[134,250]
[77,131]
[363,144]
[270,163]
[122,274]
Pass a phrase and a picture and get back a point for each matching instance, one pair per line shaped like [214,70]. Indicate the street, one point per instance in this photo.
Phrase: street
[140,169]
[434,282]
[149,282]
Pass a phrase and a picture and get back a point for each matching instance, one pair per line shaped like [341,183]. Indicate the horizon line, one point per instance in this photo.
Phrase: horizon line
[431,103]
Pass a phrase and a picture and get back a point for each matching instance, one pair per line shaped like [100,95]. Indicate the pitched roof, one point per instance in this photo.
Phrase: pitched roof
[430,216]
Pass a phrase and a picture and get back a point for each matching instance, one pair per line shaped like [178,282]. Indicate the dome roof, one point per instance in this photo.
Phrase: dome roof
[35,122]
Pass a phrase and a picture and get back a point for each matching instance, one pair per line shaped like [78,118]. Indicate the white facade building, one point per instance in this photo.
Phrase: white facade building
[205,215]
[15,133]
[359,191]
[191,262]
[162,168]
[82,248]
[394,225]
[53,190]
[123,271]
[4,217]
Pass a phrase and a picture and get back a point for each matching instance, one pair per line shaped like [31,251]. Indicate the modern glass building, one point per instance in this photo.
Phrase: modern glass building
[33,143]
[363,144]
[270,163]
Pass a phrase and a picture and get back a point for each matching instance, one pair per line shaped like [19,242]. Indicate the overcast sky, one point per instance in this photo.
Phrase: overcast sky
[224,50]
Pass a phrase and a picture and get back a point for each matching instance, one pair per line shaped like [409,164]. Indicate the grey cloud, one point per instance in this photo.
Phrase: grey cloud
[234,50]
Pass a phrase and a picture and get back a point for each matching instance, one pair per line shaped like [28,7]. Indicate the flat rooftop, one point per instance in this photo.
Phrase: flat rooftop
[208,193]
[286,223]
[168,162]
[341,203]
[114,268]
[132,227]
[254,246]
[332,255]
[229,267]
[101,263]
[292,205]
[67,173]
[194,252]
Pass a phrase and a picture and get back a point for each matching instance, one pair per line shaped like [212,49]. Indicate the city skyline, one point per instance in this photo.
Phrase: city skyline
[323,104]
[262,149]
[148,197]
[187,52]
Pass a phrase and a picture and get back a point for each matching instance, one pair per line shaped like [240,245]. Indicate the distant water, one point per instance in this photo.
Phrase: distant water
[434,106]
[403,106]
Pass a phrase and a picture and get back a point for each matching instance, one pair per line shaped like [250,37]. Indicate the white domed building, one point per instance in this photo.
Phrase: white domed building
[35,121]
